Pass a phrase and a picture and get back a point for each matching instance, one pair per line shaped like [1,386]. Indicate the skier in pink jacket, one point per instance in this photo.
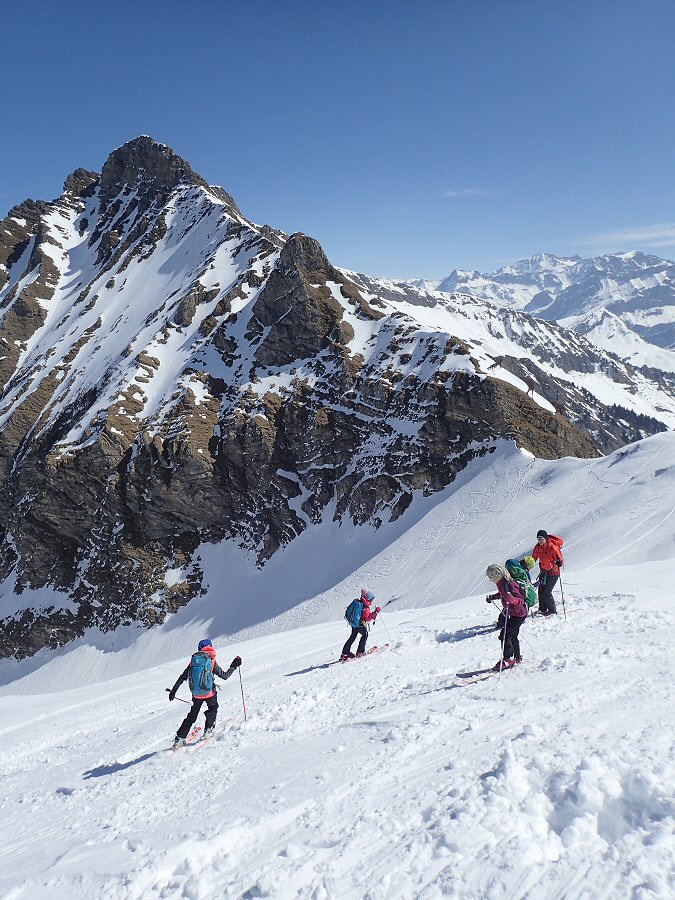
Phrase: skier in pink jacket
[515,612]
[364,615]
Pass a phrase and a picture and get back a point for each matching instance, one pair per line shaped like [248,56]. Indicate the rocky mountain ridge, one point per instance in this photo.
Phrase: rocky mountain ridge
[173,374]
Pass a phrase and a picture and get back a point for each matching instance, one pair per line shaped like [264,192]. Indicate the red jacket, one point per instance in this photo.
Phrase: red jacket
[549,555]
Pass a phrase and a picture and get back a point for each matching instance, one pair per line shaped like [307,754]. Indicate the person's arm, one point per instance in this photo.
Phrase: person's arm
[514,594]
[181,678]
[236,662]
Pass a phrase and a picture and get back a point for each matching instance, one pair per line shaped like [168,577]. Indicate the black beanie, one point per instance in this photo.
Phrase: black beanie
[542,534]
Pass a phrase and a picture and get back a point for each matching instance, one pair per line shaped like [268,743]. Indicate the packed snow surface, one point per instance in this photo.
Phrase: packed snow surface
[384,777]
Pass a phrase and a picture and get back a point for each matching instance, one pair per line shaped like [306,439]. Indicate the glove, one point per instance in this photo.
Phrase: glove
[172,695]
[377,609]
[488,599]
[236,662]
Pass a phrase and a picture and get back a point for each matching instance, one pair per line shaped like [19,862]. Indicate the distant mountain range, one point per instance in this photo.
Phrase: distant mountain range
[624,302]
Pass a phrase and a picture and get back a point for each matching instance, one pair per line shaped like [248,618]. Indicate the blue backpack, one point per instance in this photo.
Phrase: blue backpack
[200,676]
[353,613]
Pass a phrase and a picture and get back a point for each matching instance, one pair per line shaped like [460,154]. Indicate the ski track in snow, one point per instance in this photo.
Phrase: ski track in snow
[377,779]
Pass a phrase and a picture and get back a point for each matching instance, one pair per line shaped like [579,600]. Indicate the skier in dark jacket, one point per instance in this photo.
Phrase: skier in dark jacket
[199,696]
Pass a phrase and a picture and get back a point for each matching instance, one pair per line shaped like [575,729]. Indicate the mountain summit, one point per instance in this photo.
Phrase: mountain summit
[174,376]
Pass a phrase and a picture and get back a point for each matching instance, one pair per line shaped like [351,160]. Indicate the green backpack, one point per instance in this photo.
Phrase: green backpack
[519,574]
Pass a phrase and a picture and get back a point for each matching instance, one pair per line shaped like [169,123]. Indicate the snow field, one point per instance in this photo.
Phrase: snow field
[375,779]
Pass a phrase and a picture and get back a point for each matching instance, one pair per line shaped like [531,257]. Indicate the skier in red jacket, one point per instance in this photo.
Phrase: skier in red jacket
[548,553]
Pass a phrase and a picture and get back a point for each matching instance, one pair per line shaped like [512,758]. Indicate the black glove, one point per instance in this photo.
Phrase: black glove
[488,599]
[236,662]
[172,694]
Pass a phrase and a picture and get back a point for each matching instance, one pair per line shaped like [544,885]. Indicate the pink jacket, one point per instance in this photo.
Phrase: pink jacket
[368,615]
[513,598]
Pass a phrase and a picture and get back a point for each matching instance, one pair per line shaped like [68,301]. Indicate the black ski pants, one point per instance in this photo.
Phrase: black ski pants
[546,602]
[511,643]
[363,631]
[193,712]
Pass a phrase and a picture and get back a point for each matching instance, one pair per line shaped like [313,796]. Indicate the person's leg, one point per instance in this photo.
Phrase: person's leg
[211,711]
[508,638]
[190,719]
[551,582]
[546,601]
[515,643]
[350,640]
[363,631]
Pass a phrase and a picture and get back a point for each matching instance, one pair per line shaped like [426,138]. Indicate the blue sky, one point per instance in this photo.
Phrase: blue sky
[408,138]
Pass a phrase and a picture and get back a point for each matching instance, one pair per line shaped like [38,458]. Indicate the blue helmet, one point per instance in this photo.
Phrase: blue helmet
[204,643]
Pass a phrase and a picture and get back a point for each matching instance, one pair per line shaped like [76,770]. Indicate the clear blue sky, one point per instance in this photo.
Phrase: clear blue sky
[409,138]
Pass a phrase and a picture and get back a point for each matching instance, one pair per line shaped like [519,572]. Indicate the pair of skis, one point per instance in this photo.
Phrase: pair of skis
[368,652]
[196,739]
[463,679]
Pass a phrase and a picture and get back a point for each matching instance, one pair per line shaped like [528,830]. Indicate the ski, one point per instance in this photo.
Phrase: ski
[374,649]
[207,738]
[463,679]
[192,738]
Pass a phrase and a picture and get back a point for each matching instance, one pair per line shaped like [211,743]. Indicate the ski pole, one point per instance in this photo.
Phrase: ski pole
[385,627]
[562,597]
[179,698]
[241,684]
[520,636]
[506,625]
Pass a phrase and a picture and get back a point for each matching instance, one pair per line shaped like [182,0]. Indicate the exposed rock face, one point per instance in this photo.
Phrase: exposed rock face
[173,374]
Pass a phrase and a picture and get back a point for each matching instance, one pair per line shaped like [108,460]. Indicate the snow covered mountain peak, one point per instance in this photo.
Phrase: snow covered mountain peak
[173,376]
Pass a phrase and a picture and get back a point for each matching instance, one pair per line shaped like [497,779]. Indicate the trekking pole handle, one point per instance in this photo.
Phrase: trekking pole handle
[168,690]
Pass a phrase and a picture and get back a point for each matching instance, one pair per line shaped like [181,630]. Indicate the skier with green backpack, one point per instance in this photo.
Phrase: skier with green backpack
[519,570]
[199,675]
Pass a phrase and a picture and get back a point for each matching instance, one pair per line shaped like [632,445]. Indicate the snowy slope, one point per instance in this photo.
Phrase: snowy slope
[380,778]
[610,332]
